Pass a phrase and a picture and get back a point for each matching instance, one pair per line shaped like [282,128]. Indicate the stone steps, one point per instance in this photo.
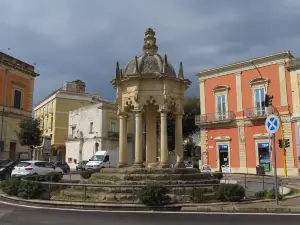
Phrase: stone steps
[156,177]
[80,195]
[143,182]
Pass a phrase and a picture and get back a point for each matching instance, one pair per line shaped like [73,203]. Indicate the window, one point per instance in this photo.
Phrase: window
[96,147]
[91,127]
[17,99]
[221,107]
[73,130]
[113,126]
[51,125]
[259,102]
[40,164]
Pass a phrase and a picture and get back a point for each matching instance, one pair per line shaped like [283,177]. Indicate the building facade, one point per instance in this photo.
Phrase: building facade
[53,112]
[91,129]
[232,120]
[16,97]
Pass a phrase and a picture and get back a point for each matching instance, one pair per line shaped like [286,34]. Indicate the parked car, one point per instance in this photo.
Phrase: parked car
[81,165]
[35,167]
[63,165]
[6,167]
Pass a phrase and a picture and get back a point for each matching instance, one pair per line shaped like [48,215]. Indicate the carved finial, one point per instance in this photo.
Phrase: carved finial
[165,63]
[180,72]
[117,72]
[150,47]
[136,64]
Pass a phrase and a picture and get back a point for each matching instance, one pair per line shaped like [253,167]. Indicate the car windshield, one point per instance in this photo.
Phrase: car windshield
[97,158]
[4,163]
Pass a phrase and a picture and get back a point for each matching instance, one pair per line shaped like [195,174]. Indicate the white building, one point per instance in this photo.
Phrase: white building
[93,128]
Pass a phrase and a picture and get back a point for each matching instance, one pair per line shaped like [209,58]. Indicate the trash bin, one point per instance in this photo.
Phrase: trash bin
[260,170]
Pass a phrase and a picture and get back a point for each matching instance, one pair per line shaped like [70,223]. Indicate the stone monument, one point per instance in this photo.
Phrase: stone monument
[150,88]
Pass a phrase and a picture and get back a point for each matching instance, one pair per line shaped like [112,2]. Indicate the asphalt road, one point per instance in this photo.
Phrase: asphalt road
[15,215]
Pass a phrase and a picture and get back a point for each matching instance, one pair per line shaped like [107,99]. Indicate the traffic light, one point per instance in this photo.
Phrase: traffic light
[287,143]
[268,100]
[280,143]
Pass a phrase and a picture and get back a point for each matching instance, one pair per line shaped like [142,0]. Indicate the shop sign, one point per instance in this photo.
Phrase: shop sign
[225,169]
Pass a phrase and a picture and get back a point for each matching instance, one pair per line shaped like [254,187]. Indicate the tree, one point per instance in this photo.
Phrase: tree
[191,109]
[30,133]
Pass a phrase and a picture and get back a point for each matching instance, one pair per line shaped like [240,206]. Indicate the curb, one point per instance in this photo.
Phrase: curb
[243,210]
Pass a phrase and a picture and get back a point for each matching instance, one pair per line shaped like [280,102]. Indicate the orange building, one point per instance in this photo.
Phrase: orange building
[232,121]
[16,97]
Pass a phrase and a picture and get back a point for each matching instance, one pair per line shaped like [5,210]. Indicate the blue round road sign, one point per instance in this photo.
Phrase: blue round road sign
[272,124]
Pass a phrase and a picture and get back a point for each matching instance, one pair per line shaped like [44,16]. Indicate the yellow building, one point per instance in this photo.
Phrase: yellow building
[16,97]
[53,112]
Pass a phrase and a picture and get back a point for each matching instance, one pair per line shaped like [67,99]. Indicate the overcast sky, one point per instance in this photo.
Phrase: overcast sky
[79,39]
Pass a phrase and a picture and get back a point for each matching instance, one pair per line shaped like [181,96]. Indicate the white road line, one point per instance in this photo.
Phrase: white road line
[148,212]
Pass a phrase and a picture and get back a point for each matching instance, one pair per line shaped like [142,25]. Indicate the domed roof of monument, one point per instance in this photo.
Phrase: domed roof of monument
[150,62]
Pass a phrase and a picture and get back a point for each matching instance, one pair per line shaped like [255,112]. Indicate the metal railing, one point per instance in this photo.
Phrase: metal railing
[256,112]
[116,134]
[218,117]
[70,188]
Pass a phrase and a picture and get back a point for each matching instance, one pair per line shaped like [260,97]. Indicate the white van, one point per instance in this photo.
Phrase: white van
[103,159]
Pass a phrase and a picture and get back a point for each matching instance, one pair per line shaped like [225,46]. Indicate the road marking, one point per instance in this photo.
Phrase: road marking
[149,212]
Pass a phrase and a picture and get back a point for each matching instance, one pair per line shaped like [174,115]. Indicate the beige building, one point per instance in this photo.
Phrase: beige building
[54,114]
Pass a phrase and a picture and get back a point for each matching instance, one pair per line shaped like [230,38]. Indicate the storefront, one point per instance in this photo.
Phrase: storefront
[224,157]
[264,156]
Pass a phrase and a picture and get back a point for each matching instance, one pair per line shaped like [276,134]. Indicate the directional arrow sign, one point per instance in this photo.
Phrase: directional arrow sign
[272,124]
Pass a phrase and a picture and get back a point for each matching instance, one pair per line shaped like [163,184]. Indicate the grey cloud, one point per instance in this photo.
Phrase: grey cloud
[73,40]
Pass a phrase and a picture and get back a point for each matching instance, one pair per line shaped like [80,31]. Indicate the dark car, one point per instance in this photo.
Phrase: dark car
[81,165]
[63,165]
[6,166]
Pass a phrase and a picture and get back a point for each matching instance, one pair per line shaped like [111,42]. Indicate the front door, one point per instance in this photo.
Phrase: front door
[12,150]
[223,156]
[264,156]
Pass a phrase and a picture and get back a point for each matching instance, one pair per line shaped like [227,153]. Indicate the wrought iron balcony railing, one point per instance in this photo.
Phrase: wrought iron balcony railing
[219,117]
[257,112]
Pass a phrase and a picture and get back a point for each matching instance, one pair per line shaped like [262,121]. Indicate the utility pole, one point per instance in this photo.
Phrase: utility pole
[275,170]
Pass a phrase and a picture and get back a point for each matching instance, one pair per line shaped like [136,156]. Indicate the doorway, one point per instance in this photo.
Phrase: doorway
[223,156]
[264,156]
[12,150]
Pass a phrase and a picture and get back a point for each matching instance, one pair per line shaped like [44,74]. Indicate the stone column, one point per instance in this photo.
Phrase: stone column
[179,142]
[164,154]
[151,137]
[123,147]
[138,161]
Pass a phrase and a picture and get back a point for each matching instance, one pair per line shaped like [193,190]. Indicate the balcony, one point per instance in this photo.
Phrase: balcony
[15,111]
[255,113]
[214,118]
[116,134]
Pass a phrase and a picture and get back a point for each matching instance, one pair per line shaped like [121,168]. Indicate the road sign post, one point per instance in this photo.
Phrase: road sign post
[272,125]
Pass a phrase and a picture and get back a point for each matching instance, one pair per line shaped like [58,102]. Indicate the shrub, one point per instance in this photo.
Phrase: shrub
[230,192]
[270,194]
[11,186]
[260,195]
[154,195]
[53,177]
[86,174]
[30,189]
